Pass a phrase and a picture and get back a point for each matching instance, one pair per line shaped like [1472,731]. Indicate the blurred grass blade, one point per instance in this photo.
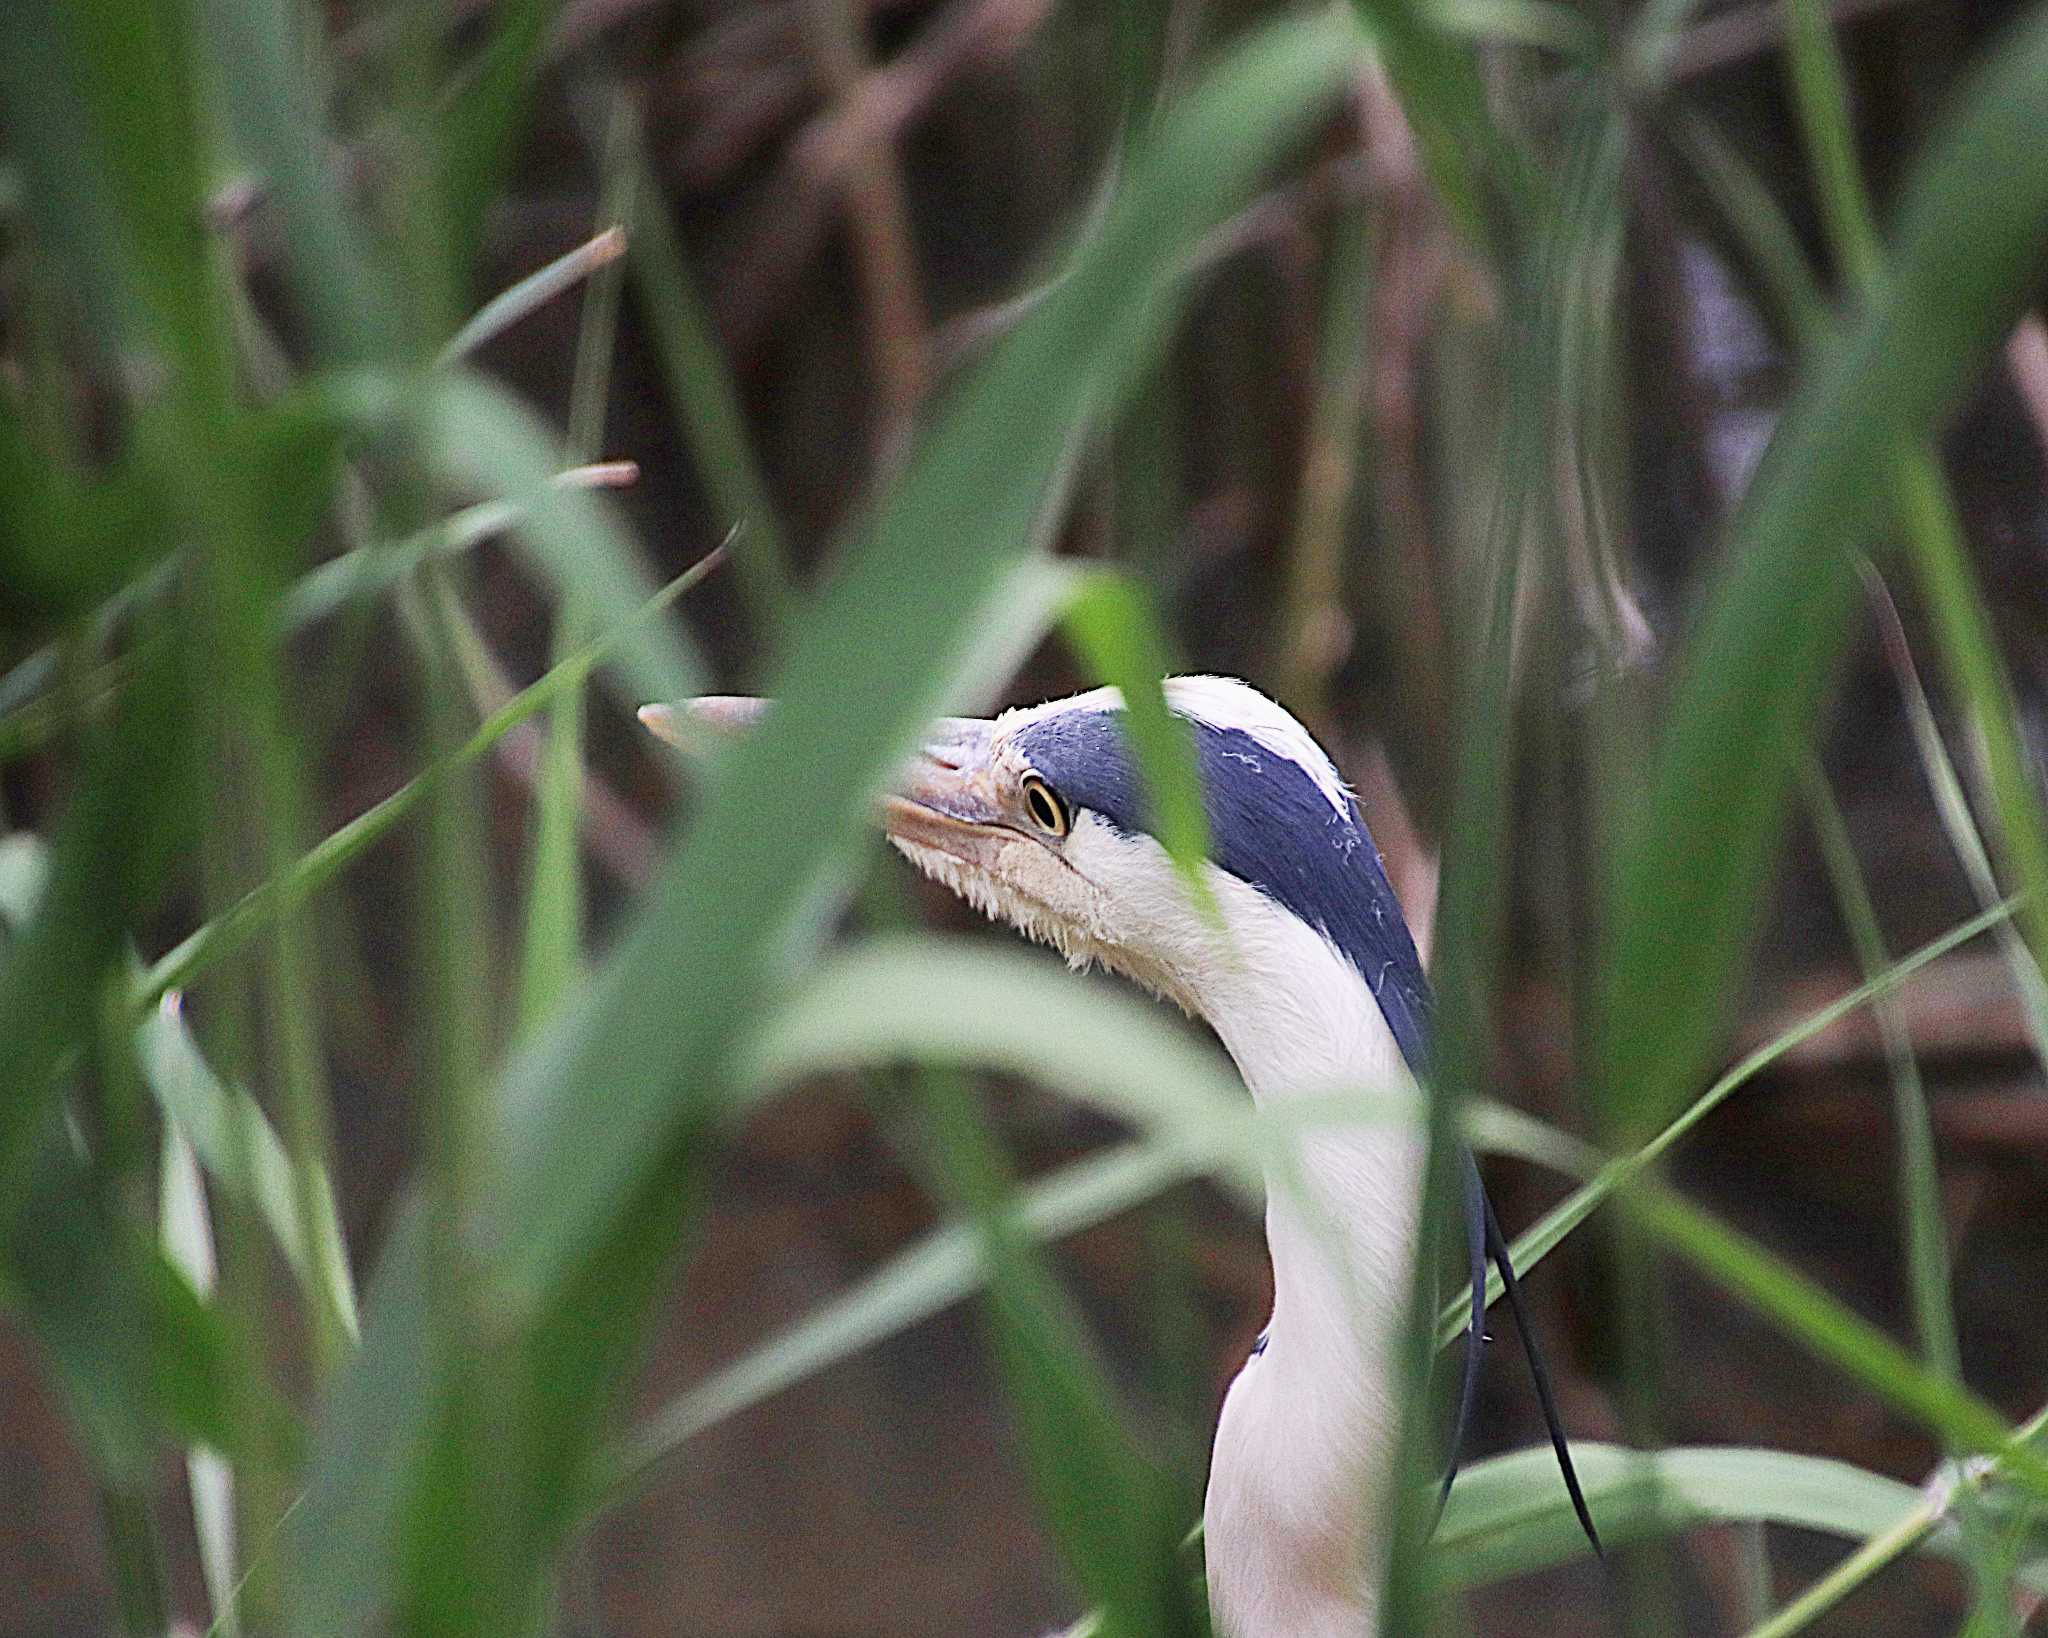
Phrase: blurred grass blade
[243,1153]
[1111,622]
[961,1002]
[246,920]
[1927,506]
[938,1271]
[1978,676]
[1025,604]
[367,571]
[1487,180]
[478,433]
[535,291]
[1696,856]
[1537,1243]
[704,399]
[135,1350]
[1109,1506]
[1948,1492]
[68,182]
[268,62]
[1953,804]
[105,110]
[482,121]
[1829,1330]
[1919,1174]
[341,1546]
[115,842]
[671,1005]
[1776,257]
[551,950]
[188,1245]
[1505,1518]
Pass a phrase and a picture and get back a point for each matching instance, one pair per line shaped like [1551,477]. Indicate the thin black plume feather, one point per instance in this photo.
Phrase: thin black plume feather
[1497,1244]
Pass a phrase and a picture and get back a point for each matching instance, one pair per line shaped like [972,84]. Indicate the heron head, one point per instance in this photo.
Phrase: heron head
[1040,817]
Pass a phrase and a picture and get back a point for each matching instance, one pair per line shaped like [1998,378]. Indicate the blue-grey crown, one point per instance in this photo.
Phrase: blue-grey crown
[1273,827]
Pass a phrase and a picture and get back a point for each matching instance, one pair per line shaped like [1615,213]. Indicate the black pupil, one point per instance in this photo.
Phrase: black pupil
[1043,808]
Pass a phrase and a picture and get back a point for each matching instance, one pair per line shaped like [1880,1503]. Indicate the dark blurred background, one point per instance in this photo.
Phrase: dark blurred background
[857,194]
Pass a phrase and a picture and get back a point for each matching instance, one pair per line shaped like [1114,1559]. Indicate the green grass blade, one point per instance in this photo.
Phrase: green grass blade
[1820,87]
[1979,677]
[959,1002]
[233,929]
[187,1237]
[136,1351]
[535,291]
[1109,1507]
[1747,206]
[1487,180]
[551,951]
[1911,1530]
[1919,1174]
[111,849]
[1834,1334]
[483,120]
[1692,870]
[704,399]
[479,434]
[853,698]
[1506,1516]
[339,1559]
[1927,509]
[1550,1231]
[246,1158]
[1110,620]
[268,65]
[369,571]
[938,1271]
[1952,802]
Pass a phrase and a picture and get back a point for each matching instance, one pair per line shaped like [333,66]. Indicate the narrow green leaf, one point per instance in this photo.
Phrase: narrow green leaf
[1952,802]
[967,1003]
[1113,624]
[111,851]
[1695,861]
[233,929]
[267,61]
[1533,1246]
[187,1237]
[702,395]
[1507,1515]
[1834,1334]
[936,1272]
[535,291]
[1109,1505]
[136,1351]
[368,571]
[341,1545]
[478,433]
[481,125]
[1919,1173]
[663,1017]
[242,1151]
[1486,178]
[1951,1490]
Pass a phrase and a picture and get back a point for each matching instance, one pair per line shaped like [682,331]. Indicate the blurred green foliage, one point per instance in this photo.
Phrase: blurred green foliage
[198,465]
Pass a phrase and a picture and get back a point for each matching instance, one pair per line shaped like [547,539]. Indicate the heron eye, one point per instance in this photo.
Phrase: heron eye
[1048,809]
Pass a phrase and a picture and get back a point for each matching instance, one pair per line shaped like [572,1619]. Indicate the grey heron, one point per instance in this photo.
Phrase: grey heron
[1311,980]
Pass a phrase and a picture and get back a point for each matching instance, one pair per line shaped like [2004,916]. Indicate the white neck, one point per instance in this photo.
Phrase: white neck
[1307,1429]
